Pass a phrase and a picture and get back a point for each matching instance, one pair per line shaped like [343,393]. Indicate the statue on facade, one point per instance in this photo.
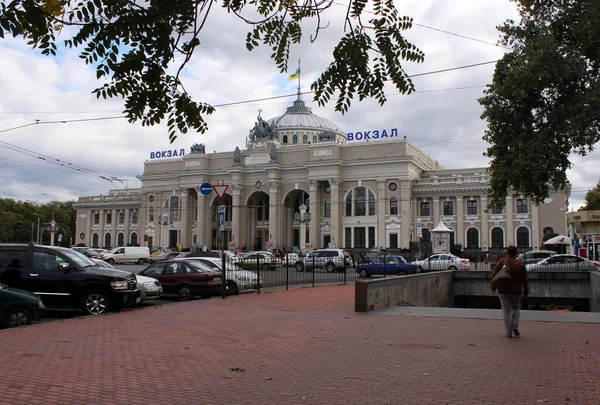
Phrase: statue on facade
[197,148]
[326,136]
[236,156]
[262,131]
[273,154]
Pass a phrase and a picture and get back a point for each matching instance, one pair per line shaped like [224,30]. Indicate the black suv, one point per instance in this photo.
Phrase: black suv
[65,279]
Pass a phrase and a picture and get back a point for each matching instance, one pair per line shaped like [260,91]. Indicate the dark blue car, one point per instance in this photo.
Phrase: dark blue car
[386,265]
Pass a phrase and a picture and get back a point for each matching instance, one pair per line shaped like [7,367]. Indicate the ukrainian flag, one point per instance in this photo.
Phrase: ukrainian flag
[295,75]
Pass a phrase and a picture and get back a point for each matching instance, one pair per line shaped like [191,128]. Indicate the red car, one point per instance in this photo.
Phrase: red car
[185,278]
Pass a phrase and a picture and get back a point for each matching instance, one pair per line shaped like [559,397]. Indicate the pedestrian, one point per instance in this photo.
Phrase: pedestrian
[510,295]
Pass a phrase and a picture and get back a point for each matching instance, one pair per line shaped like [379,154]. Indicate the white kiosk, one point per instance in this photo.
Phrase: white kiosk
[440,238]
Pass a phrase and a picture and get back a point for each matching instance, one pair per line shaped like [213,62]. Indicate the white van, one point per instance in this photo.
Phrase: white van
[127,254]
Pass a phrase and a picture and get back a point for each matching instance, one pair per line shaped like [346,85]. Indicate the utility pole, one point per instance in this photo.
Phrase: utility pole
[38,230]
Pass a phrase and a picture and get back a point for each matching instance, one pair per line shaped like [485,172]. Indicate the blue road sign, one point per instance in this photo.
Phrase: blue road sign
[221,217]
[206,188]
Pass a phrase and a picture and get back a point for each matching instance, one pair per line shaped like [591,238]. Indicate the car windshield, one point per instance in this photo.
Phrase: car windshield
[79,258]
[200,267]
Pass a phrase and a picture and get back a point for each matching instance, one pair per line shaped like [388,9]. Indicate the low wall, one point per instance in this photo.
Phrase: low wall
[421,290]
[595,291]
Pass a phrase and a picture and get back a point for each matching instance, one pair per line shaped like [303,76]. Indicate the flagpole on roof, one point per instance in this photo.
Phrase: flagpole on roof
[299,79]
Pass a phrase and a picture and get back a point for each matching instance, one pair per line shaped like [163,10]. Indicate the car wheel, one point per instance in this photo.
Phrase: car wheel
[17,317]
[299,267]
[232,288]
[111,261]
[364,274]
[419,269]
[330,267]
[95,302]
[266,267]
[141,261]
[184,293]
[452,268]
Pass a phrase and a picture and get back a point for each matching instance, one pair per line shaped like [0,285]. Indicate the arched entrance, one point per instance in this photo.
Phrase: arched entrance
[292,221]
[257,225]
[107,240]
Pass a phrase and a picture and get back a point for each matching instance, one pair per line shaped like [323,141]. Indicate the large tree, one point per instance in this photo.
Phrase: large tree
[544,102]
[592,199]
[133,43]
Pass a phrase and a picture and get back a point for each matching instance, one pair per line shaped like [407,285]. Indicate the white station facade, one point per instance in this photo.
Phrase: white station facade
[302,182]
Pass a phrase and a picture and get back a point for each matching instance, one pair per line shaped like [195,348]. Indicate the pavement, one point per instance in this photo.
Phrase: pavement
[303,346]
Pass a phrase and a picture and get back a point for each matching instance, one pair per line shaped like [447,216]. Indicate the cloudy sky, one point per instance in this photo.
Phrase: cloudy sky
[442,117]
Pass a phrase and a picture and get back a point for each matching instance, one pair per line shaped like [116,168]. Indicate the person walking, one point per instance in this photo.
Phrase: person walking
[510,295]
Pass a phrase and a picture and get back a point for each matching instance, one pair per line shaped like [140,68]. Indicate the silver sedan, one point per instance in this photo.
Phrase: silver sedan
[564,263]
[150,288]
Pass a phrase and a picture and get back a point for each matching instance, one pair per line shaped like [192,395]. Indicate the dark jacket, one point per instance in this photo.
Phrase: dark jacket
[518,273]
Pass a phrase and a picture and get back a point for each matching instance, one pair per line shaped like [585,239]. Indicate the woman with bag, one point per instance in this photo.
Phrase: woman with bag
[510,279]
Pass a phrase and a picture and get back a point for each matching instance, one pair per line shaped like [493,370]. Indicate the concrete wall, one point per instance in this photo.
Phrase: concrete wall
[595,291]
[423,290]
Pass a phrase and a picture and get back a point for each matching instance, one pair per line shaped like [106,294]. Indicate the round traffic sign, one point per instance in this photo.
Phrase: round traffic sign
[206,188]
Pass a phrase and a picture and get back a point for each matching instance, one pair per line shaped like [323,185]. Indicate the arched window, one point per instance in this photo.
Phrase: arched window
[107,241]
[174,208]
[95,240]
[360,202]
[285,139]
[522,237]
[473,238]
[120,239]
[393,206]
[497,237]
[295,139]
[304,139]
[314,139]
[134,241]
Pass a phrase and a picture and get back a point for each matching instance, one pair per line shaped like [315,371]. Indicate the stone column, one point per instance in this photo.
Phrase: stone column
[460,221]
[88,229]
[236,216]
[142,219]
[101,222]
[405,213]
[535,226]
[315,222]
[416,215]
[185,237]
[381,215]
[436,211]
[113,228]
[510,227]
[485,227]
[126,238]
[274,214]
[336,213]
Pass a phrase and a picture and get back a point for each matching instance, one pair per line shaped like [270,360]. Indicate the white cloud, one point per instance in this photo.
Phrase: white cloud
[223,71]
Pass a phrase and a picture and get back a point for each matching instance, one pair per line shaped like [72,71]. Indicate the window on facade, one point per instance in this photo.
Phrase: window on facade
[425,209]
[522,237]
[348,237]
[360,240]
[349,204]
[95,240]
[471,207]
[304,139]
[371,237]
[134,240]
[521,206]
[121,217]
[360,202]
[393,206]
[151,214]
[473,238]
[314,139]
[109,217]
[96,218]
[497,237]
[497,210]
[134,216]
[120,239]
[107,241]
[327,209]
[393,240]
[448,207]
[174,209]
[285,139]
[295,139]
[371,203]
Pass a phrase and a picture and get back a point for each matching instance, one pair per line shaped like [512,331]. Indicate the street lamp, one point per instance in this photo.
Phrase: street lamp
[303,217]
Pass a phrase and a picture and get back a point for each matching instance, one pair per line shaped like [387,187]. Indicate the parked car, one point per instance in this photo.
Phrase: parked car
[238,279]
[164,256]
[258,260]
[534,256]
[445,261]
[563,263]
[290,259]
[185,278]
[150,288]
[19,307]
[386,265]
[127,254]
[66,279]
[89,252]
[328,259]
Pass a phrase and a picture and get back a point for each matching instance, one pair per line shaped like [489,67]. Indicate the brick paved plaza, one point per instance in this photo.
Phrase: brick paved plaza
[303,346]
